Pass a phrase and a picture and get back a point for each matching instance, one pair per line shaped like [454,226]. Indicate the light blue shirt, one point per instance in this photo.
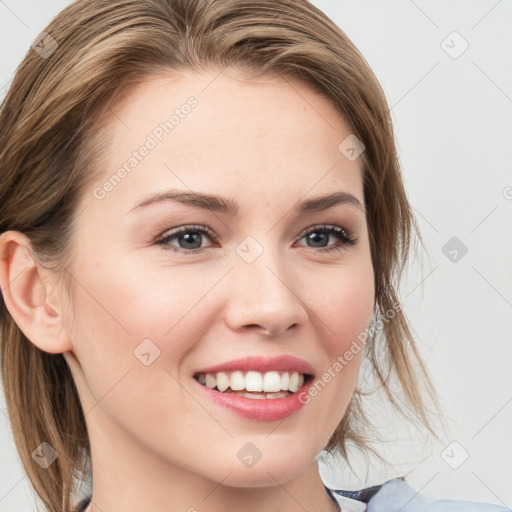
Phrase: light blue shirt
[396,495]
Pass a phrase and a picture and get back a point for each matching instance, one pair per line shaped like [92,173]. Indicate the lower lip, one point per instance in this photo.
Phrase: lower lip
[262,409]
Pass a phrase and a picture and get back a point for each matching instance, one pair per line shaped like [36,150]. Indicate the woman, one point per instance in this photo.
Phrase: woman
[203,226]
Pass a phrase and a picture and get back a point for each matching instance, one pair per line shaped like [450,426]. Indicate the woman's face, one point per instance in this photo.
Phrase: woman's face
[154,309]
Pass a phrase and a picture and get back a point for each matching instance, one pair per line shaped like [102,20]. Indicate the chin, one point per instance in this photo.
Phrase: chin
[270,470]
[263,477]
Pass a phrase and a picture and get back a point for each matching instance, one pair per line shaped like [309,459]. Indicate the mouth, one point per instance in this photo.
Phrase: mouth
[255,385]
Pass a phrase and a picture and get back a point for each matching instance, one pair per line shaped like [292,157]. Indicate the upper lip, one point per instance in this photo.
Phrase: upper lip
[262,364]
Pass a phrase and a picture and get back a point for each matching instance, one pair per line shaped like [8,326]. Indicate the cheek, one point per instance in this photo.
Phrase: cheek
[130,334]
[119,306]
[343,313]
[344,304]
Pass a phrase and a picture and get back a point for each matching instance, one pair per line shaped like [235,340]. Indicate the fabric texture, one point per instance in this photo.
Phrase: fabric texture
[394,495]
[83,505]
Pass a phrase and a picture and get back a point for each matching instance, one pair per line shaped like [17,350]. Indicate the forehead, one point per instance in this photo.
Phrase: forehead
[227,134]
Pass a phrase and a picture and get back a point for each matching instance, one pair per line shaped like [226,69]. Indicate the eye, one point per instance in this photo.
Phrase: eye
[318,235]
[190,236]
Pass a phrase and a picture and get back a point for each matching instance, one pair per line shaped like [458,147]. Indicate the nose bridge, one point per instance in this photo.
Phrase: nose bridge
[261,292]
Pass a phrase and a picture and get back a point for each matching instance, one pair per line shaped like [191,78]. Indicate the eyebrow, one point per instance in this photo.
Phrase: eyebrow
[230,207]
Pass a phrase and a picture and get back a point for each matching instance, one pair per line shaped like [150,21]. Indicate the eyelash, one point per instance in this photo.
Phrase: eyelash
[345,239]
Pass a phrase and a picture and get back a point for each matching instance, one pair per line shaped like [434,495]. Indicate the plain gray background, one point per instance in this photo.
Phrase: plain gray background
[452,115]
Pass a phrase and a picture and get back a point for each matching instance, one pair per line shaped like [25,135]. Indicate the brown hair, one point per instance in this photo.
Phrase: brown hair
[102,49]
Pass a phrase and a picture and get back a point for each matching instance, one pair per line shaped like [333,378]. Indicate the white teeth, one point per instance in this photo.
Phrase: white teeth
[211,381]
[285,380]
[294,382]
[267,384]
[272,381]
[253,381]
[277,395]
[222,381]
[259,396]
[237,381]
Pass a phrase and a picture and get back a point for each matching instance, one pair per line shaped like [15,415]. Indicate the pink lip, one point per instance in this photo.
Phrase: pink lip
[262,364]
[265,409]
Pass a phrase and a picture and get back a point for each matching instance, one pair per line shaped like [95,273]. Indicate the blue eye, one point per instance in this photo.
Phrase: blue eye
[191,237]
[317,234]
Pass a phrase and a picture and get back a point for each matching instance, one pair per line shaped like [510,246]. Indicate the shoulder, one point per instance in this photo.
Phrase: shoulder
[396,495]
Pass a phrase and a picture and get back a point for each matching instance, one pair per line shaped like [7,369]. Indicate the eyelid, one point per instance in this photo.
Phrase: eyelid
[347,238]
[321,227]
[186,227]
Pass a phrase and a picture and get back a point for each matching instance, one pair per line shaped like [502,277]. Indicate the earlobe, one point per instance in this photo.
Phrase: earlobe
[27,289]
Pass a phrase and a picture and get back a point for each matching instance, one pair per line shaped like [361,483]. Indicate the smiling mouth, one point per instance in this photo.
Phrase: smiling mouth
[254,384]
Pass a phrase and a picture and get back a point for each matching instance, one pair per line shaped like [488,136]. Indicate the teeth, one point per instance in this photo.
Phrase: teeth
[237,381]
[222,381]
[269,384]
[285,380]
[254,381]
[211,381]
[294,382]
[272,381]
[259,396]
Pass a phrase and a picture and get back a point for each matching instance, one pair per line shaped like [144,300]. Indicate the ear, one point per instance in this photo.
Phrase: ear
[30,294]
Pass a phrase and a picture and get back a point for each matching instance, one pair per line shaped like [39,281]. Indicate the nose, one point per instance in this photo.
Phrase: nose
[264,297]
